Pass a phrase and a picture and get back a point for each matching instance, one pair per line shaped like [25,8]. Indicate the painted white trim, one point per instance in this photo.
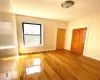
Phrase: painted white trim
[7,47]
[42,30]
[32,46]
[92,57]
[86,40]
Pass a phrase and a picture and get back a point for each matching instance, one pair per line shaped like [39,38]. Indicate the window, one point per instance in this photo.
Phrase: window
[32,34]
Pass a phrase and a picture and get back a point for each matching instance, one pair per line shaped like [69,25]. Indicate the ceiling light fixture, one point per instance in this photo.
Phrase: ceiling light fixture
[67,4]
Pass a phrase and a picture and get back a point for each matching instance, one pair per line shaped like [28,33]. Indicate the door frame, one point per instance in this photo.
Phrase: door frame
[86,39]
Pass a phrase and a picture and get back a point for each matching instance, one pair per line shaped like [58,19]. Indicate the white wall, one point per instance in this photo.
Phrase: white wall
[7,15]
[49,33]
[92,46]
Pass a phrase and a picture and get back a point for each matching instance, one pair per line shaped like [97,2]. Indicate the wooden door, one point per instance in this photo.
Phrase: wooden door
[78,40]
[60,38]
[75,37]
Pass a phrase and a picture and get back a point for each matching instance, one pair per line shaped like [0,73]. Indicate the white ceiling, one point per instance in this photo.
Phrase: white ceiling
[51,9]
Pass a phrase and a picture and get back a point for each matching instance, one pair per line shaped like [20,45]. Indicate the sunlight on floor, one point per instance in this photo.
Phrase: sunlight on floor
[32,70]
[35,68]
[11,58]
[36,61]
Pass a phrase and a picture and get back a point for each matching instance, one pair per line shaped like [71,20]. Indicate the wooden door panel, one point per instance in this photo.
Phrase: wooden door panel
[75,37]
[74,47]
[60,38]
[80,48]
[81,41]
[82,35]
[78,40]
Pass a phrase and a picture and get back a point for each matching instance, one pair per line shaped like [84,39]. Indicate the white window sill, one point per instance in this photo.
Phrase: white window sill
[32,46]
[7,47]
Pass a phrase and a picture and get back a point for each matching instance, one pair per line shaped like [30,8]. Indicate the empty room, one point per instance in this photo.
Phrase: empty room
[49,39]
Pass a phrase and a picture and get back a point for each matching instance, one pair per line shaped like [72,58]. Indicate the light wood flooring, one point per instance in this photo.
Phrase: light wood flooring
[58,65]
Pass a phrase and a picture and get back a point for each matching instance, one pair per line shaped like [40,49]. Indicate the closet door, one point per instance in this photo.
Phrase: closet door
[78,40]
[75,37]
[81,41]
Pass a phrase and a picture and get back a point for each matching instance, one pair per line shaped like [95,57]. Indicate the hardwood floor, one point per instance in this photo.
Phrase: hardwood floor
[58,65]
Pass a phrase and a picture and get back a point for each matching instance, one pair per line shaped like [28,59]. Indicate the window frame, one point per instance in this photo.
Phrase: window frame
[32,34]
